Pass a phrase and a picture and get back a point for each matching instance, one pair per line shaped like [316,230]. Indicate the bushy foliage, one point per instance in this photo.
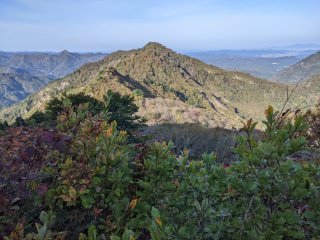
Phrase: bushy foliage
[138,93]
[120,108]
[101,187]
[3,126]
[19,122]
[55,106]
[313,132]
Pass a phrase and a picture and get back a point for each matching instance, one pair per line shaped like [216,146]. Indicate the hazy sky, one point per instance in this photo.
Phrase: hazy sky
[105,25]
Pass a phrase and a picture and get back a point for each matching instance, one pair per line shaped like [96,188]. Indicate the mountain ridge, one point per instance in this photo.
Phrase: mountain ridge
[161,73]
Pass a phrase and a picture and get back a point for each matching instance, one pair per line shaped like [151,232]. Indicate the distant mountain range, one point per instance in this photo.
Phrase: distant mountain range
[300,47]
[24,73]
[54,65]
[300,71]
[175,87]
[16,85]
[259,53]
[263,63]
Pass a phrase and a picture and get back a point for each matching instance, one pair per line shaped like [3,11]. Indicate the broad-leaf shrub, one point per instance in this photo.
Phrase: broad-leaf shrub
[91,180]
[109,189]
[43,229]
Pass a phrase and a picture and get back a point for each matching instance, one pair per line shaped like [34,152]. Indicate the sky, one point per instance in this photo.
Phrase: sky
[183,25]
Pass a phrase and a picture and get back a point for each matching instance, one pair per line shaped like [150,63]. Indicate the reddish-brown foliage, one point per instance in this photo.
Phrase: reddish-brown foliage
[23,152]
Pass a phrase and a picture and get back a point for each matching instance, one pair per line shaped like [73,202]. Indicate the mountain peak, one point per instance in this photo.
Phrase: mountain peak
[160,72]
[65,52]
[155,45]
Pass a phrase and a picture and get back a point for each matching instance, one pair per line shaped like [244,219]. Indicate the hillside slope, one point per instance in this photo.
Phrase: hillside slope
[300,71]
[24,73]
[55,65]
[312,85]
[159,72]
[16,85]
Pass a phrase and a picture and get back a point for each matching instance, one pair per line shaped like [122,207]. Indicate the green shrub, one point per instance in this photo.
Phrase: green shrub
[93,179]
[43,231]
[122,109]
[110,189]
[138,93]
[149,81]
[19,122]
[3,126]
[313,132]
[55,106]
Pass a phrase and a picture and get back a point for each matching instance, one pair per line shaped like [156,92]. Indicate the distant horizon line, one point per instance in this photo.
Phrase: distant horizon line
[303,46]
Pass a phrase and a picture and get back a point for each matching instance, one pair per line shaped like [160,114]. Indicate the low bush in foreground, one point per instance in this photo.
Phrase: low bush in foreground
[101,187]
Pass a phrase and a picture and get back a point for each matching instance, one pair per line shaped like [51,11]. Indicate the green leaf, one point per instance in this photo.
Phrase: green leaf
[128,235]
[183,232]
[252,234]
[115,238]
[83,237]
[155,213]
[87,201]
[197,205]
[92,233]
